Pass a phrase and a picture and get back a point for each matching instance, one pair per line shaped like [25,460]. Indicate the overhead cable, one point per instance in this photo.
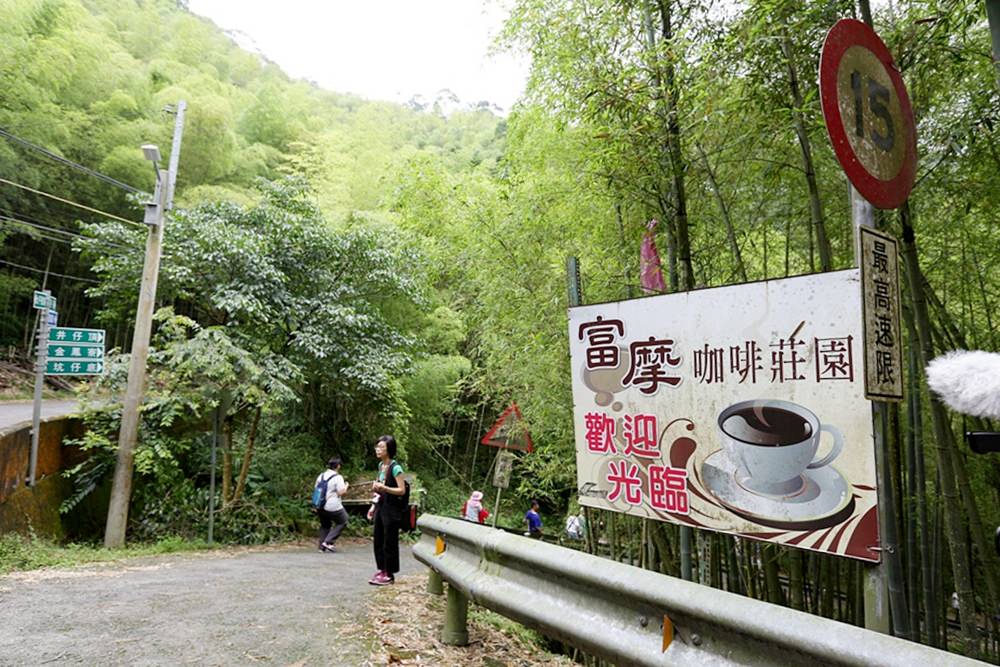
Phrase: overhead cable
[16,221]
[79,167]
[72,203]
[51,273]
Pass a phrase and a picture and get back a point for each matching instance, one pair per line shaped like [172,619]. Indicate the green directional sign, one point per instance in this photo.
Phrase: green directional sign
[72,351]
[40,300]
[74,336]
[74,367]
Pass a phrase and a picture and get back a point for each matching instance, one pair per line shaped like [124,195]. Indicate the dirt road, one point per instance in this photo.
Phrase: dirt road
[278,606]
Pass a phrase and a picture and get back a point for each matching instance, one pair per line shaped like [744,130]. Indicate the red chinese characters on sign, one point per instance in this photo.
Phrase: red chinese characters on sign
[668,489]
[640,436]
[599,432]
[624,478]
[651,363]
[602,352]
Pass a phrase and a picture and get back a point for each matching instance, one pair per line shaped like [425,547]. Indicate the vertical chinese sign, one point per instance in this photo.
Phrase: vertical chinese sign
[739,409]
[883,345]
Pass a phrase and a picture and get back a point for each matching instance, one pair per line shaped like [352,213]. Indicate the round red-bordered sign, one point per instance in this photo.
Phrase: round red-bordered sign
[868,114]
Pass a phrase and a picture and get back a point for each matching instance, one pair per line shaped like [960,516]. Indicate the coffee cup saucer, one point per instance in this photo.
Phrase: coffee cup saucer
[823,499]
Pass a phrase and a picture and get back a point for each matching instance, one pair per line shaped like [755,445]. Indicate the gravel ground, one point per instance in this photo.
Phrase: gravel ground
[272,606]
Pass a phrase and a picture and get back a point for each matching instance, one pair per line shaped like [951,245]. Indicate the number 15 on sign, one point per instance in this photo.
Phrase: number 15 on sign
[868,114]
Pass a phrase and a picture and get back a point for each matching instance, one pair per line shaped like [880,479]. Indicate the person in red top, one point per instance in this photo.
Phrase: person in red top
[473,510]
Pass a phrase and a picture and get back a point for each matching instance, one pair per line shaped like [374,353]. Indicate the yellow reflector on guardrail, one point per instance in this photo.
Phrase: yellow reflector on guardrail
[439,546]
[668,634]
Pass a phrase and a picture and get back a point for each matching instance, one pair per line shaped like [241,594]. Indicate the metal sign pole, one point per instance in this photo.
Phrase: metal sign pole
[41,356]
[876,581]
[496,507]
[216,418]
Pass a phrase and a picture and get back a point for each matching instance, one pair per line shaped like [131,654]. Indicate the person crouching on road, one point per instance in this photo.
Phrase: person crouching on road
[332,515]
[387,511]
[473,509]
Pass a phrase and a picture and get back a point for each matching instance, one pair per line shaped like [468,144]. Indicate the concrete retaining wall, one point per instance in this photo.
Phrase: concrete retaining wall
[25,509]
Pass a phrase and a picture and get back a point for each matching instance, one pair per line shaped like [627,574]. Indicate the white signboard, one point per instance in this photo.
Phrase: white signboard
[738,409]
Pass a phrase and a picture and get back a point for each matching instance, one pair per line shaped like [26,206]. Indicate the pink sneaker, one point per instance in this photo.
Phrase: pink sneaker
[384,579]
[376,578]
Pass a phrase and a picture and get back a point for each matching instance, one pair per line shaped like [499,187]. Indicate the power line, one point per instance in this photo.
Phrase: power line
[68,241]
[6,218]
[72,203]
[51,273]
[58,158]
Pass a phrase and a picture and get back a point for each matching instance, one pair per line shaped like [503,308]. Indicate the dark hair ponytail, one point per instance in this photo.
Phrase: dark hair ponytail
[333,463]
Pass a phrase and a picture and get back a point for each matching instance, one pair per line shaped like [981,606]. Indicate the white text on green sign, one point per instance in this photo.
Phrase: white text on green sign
[40,300]
[69,351]
[76,336]
[53,367]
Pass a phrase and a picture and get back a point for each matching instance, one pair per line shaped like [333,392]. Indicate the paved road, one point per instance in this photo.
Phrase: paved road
[281,606]
[15,413]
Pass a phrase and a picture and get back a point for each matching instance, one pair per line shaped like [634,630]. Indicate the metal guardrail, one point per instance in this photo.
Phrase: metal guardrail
[638,617]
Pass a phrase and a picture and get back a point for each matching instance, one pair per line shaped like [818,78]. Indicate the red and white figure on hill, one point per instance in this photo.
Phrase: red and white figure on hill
[650,269]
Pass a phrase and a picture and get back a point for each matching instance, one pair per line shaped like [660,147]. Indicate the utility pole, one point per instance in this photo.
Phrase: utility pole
[993,18]
[121,488]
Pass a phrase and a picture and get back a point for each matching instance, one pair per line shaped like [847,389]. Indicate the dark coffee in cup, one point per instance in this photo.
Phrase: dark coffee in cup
[771,442]
[767,426]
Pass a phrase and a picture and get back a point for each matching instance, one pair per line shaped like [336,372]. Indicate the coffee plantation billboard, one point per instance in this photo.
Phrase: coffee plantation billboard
[738,409]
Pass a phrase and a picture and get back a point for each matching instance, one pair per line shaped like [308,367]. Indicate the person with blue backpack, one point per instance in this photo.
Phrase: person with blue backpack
[389,507]
[330,486]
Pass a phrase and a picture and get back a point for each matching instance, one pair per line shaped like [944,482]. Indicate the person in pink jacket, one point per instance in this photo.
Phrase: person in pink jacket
[473,510]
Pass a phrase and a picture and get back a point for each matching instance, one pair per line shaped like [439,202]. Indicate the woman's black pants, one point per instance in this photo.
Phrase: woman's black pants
[386,544]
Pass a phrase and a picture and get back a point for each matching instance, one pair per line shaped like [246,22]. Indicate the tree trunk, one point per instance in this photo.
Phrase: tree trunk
[626,251]
[247,457]
[891,531]
[733,580]
[227,460]
[734,247]
[772,584]
[749,569]
[795,579]
[671,96]
[815,204]
[943,448]
[920,483]
[913,598]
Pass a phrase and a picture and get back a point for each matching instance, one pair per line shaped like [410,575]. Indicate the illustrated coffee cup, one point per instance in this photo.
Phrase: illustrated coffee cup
[772,442]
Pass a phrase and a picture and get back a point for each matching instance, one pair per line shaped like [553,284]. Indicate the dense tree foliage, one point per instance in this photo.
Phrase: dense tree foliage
[338,267]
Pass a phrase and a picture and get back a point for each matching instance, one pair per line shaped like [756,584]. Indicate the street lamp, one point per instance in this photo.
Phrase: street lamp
[152,153]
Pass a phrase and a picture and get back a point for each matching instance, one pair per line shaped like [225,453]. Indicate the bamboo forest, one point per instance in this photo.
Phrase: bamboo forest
[334,268]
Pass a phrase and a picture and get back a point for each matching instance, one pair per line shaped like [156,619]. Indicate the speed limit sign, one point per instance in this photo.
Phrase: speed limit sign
[868,113]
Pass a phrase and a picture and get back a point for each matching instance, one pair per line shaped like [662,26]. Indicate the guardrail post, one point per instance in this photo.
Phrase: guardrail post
[434,583]
[456,632]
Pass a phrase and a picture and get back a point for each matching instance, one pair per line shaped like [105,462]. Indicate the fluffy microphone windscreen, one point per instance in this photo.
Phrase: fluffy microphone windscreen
[968,382]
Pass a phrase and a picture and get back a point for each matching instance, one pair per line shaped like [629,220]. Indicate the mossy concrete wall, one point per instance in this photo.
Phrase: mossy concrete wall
[25,509]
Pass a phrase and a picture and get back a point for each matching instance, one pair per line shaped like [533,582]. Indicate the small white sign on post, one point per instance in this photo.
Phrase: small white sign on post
[501,476]
[738,409]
